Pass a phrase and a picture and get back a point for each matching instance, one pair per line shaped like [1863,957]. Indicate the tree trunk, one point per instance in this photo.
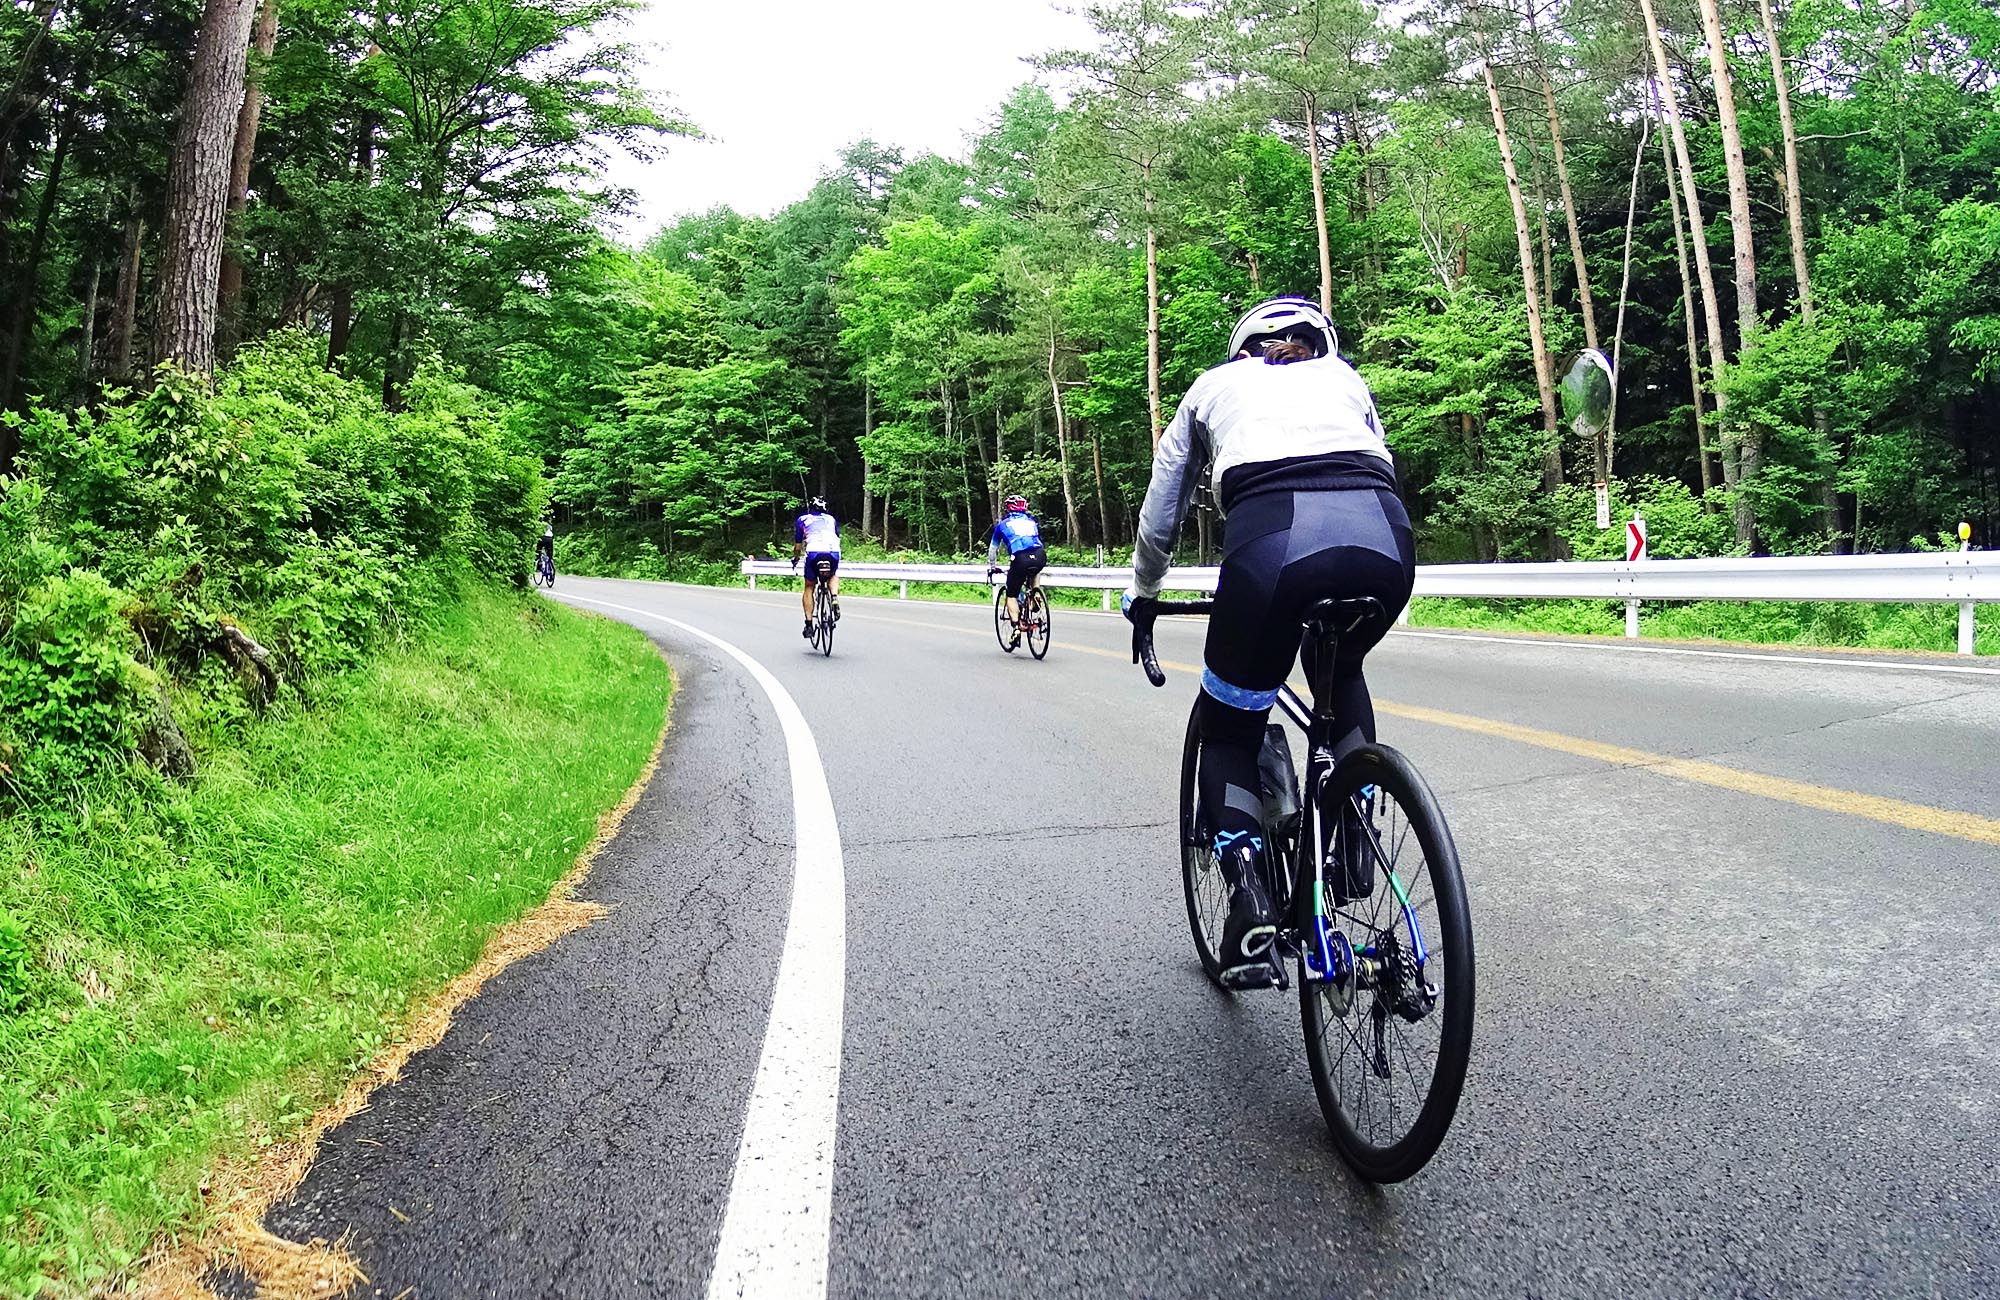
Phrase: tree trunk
[1319,208]
[1548,259]
[125,320]
[985,494]
[1663,85]
[392,396]
[27,286]
[1795,221]
[1483,548]
[86,349]
[1097,467]
[1152,316]
[341,313]
[1589,308]
[1794,198]
[1750,448]
[198,188]
[1624,291]
[1544,373]
[340,324]
[1062,447]
[1690,305]
[230,286]
[867,428]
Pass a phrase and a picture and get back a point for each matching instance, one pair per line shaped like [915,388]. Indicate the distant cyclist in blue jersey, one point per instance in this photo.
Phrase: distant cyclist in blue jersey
[817,537]
[1022,536]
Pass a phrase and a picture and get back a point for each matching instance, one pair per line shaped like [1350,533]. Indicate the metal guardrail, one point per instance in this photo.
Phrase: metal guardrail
[1963,578]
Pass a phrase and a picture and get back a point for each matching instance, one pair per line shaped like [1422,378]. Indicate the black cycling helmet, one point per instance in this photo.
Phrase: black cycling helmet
[816,506]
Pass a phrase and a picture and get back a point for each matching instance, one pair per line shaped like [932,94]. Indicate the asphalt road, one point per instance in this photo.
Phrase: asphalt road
[1728,1044]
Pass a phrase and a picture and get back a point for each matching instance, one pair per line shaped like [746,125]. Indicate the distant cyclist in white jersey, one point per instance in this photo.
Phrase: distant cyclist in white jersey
[816,536]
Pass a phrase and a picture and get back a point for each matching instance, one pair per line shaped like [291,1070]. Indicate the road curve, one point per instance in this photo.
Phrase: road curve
[1734,1038]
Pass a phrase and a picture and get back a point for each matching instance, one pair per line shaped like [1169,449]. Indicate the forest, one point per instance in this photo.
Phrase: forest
[313,313]
[1780,221]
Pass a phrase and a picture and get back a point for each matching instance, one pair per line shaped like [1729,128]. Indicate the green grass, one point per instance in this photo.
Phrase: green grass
[208,965]
[1847,624]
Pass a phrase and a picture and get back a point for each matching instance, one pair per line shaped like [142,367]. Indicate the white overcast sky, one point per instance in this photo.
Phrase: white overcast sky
[780,85]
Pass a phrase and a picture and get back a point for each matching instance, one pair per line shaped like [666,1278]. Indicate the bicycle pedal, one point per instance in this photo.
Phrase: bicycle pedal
[1263,975]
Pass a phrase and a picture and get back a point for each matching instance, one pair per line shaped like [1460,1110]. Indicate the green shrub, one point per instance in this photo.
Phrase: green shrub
[15,963]
[71,692]
[285,501]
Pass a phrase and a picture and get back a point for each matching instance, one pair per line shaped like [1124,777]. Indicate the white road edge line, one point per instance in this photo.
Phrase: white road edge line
[776,1230]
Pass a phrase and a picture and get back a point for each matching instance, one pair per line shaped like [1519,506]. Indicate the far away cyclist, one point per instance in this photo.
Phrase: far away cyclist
[1308,491]
[816,536]
[545,554]
[1022,536]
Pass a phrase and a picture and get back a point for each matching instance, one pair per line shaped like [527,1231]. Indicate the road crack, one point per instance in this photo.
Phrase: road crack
[1029,833]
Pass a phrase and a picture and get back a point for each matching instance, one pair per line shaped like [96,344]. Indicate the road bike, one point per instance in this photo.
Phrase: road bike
[823,620]
[545,571]
[1371,905]
[1033,624]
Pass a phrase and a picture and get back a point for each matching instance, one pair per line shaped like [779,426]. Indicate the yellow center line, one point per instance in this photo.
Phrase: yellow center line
[1851,803]
[1892,812]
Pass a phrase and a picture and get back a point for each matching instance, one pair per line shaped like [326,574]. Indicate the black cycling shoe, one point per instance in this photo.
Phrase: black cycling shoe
[807,634]
[1250,932]
[836,609]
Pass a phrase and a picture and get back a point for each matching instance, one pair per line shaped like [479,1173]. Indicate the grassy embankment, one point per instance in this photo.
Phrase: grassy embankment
[204,966]
[1830,624]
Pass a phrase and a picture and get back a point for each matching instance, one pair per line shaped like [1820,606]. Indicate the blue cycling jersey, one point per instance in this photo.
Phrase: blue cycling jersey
[818,532]
[1017,532]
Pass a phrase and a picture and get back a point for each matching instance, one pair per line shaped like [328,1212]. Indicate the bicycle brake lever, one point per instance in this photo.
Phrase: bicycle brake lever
[1142,648]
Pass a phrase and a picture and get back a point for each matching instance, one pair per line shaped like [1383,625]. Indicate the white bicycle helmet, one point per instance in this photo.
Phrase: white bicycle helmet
[1288,317]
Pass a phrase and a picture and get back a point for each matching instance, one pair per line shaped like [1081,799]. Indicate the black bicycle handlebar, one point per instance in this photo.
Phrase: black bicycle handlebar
[1144,612]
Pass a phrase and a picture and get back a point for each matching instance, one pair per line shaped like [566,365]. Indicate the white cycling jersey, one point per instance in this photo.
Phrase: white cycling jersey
[1248,412]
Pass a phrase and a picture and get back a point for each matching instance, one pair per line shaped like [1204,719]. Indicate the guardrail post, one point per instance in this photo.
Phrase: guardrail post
[1107,600]
[753,582]
[1966,627]
[1403,615]
[1632,619]
[903,590]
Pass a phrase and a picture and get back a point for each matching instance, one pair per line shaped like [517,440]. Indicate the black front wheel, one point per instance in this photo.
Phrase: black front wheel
[1207,893]
[1389,1035]
[1002,629]
[823,618]
[1035,614]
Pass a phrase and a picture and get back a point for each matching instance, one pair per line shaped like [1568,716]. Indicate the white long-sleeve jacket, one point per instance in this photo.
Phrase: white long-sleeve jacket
[1247,412]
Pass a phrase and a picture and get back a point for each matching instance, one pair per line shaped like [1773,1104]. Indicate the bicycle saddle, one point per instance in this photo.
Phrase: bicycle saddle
[1344,615]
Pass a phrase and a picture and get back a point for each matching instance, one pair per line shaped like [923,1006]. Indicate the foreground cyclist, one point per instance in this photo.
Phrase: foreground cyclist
[1308,491]
[816,536]
[1022,536]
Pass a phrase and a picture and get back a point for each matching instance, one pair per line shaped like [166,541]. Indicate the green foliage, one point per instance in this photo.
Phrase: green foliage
[285,501]
[1679,524]
[71,690]
[16,961]
[189,972]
